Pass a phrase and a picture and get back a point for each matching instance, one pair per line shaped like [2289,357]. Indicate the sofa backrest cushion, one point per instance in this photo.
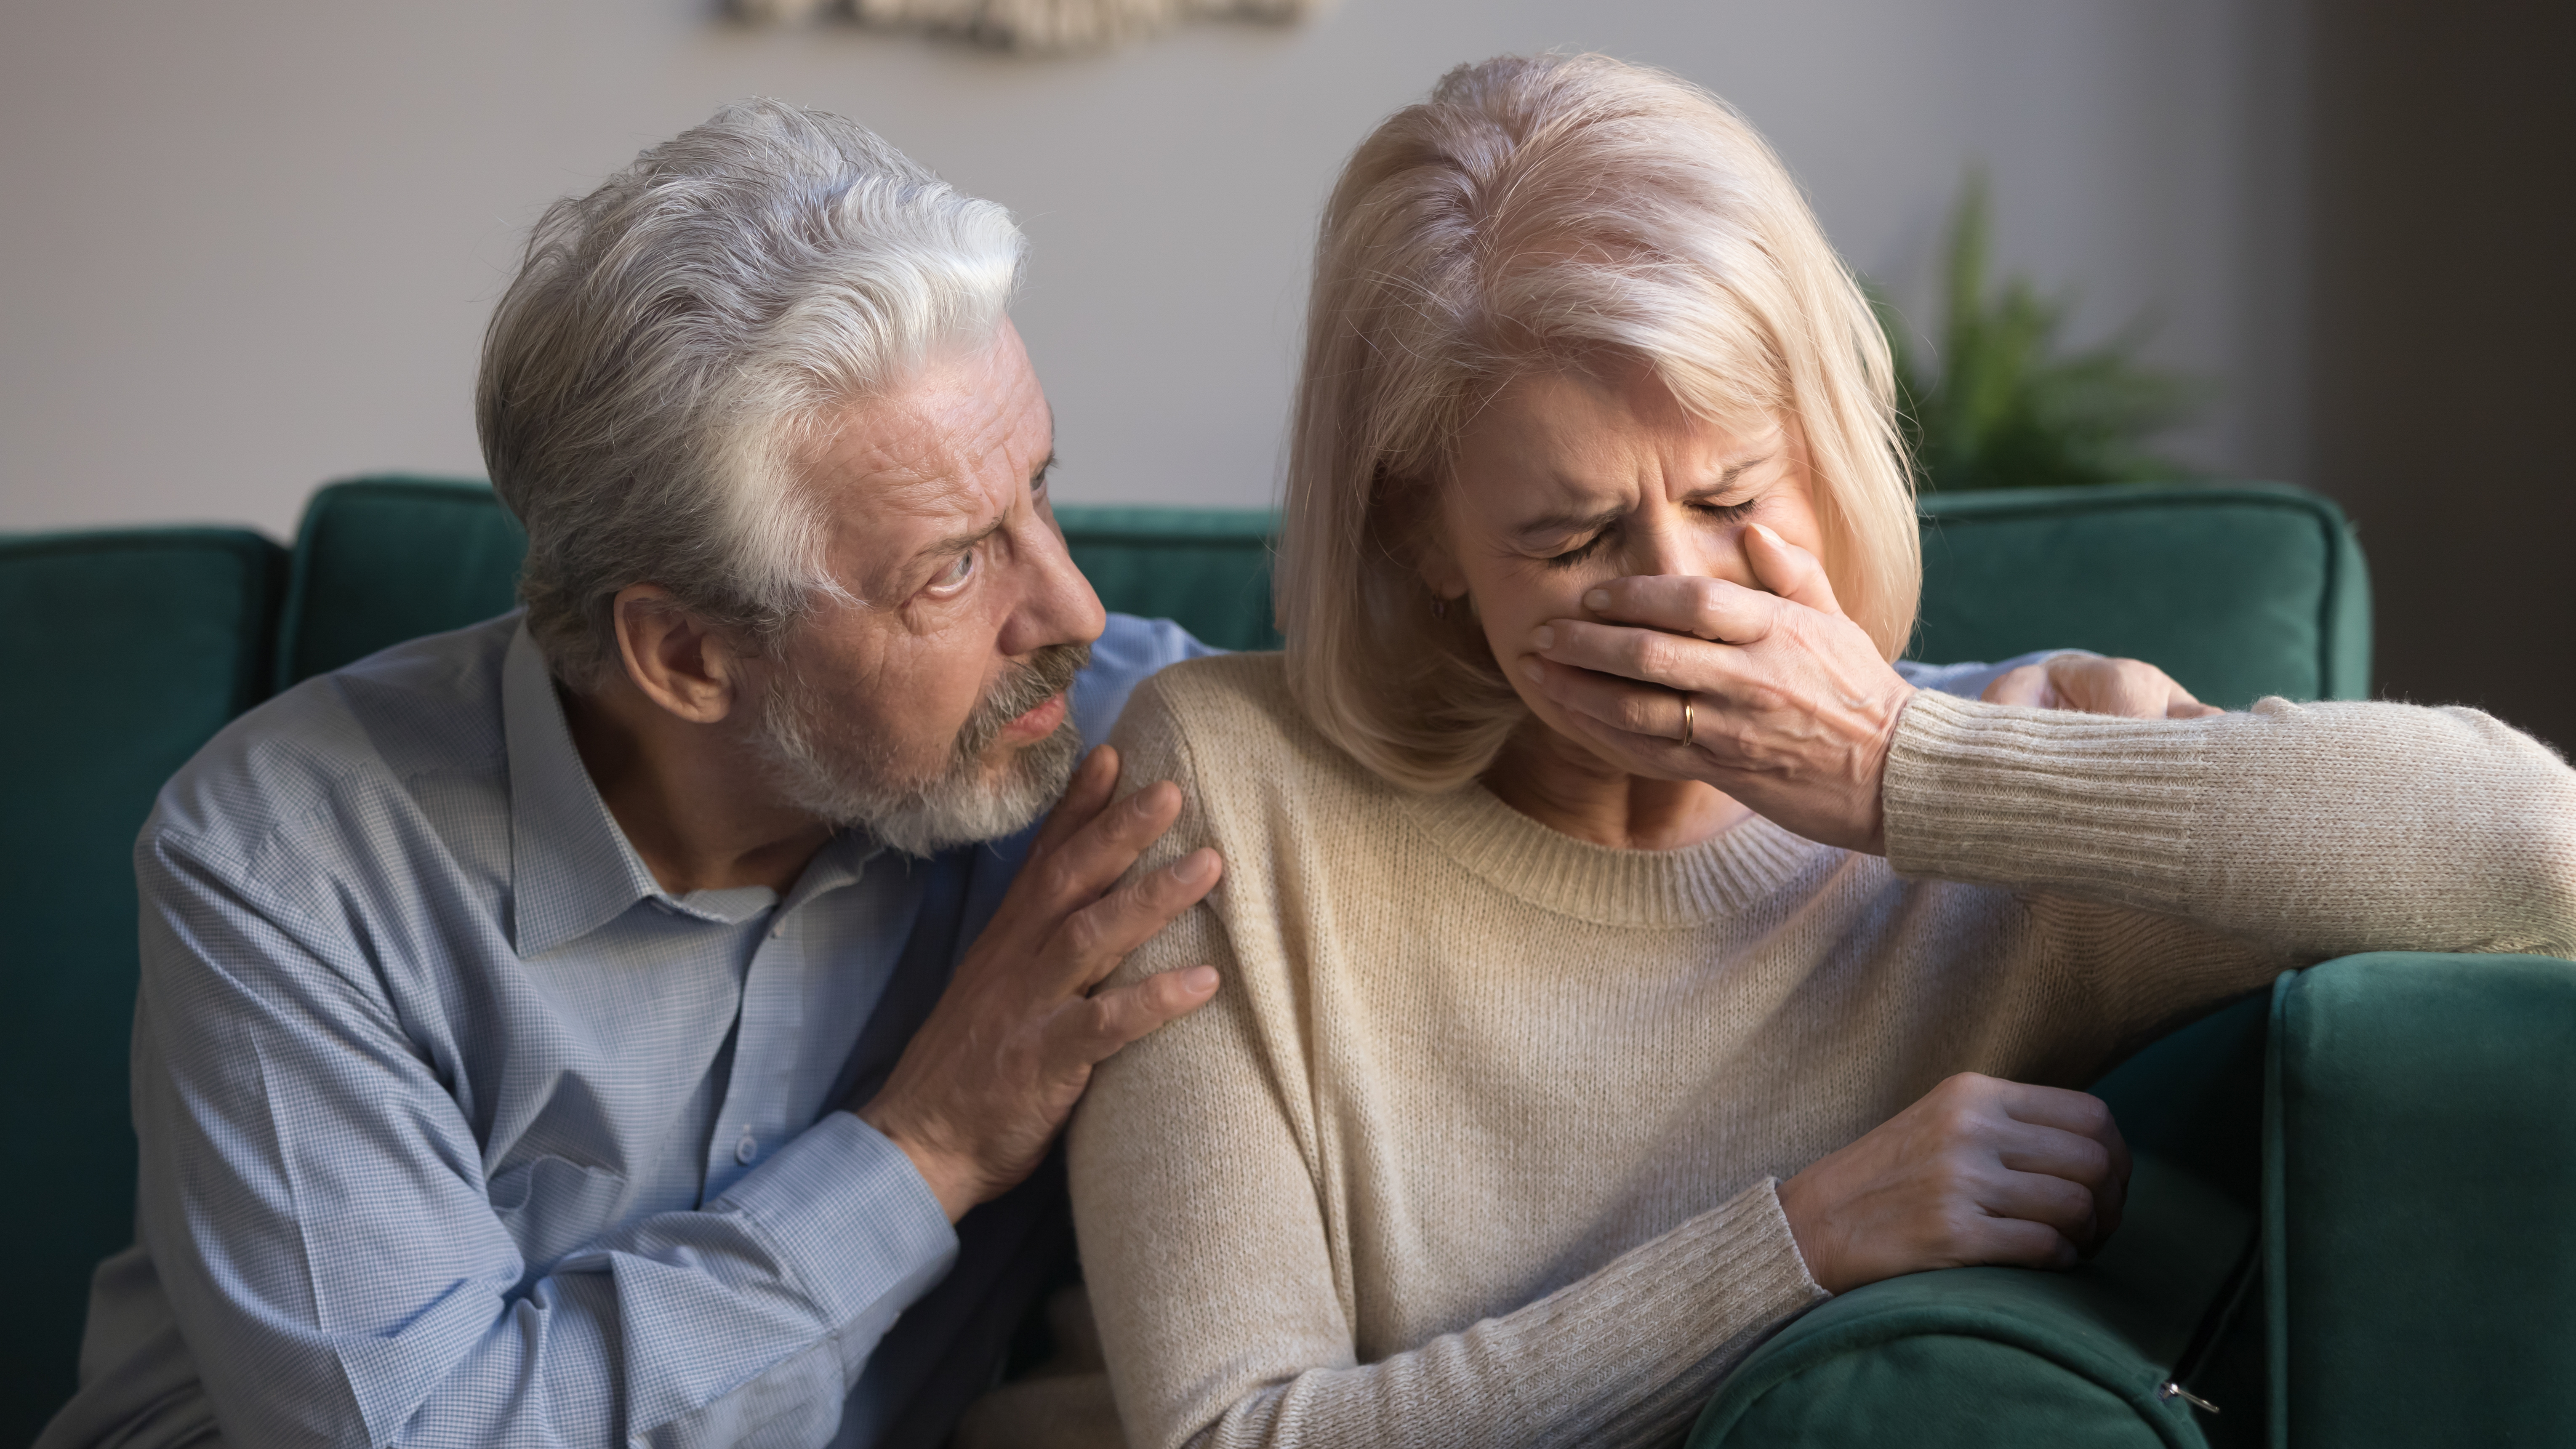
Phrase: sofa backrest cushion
[1209,568]
[143,644]
[381,560]
[2239,592]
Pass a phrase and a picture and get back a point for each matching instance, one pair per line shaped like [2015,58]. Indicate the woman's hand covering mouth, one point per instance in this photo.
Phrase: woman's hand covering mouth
[1791,709]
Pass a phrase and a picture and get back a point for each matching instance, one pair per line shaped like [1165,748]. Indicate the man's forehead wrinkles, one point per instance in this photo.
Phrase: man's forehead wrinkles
[921,494]
[910,467]
[928,468]
[933,507]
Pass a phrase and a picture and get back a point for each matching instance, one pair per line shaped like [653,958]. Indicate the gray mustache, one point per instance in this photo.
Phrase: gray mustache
[1048,673]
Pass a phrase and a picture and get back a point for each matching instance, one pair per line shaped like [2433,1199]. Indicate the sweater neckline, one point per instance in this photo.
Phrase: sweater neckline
[1607,885]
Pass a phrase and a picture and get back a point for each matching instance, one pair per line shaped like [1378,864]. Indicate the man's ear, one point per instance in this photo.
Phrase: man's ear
[674,657]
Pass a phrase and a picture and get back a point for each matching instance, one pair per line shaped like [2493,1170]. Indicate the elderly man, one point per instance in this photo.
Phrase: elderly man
[603,1023]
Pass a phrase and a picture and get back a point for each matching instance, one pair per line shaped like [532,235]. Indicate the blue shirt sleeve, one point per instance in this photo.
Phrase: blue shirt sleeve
[314,1200]
[1128,651]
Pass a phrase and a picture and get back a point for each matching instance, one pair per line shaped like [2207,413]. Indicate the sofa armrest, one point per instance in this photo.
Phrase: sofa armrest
[1996,1358]
[2419,1161]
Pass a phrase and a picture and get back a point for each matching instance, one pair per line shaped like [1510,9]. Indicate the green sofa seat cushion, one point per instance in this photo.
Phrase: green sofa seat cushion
[2237,592]
[2002,1356]
[2421,1155]
[146,642]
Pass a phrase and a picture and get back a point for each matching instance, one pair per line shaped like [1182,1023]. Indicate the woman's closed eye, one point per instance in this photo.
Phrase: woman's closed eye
[1717,513]
[1578,553]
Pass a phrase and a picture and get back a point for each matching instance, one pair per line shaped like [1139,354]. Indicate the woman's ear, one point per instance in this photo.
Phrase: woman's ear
[1426,535]
[1440,572]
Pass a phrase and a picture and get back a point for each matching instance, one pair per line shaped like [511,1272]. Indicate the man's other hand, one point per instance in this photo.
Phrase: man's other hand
[984,1086]
[2129,688]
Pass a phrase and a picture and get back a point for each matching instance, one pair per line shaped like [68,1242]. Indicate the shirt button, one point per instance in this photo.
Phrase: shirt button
[745,1150]
[777,931]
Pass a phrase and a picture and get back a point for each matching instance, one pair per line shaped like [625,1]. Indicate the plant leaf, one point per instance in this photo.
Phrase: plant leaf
[2008,406]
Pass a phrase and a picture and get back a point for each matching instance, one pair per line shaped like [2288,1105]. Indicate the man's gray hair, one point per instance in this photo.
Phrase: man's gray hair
[650,377]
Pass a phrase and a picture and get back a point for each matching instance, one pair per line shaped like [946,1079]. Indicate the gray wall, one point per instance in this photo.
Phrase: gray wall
[251,246]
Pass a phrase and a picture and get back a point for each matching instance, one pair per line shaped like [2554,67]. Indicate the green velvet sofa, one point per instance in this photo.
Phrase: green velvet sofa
[2329,1173]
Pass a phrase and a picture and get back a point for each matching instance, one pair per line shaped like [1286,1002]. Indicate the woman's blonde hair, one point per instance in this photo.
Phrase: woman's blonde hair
[1554,212]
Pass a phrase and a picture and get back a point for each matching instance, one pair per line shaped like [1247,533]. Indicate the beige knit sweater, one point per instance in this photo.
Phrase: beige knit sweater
[1477,1144]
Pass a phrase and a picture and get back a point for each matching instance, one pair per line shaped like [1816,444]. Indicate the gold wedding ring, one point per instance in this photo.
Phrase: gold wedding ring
[1686,719]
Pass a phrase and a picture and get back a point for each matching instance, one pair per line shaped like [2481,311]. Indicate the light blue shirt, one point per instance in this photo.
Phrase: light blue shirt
[458,1129]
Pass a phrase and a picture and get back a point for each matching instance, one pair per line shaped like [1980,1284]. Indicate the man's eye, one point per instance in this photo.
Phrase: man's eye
[954,577]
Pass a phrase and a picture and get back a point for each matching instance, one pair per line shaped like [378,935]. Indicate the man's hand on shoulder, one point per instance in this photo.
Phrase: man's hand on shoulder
[992,1075]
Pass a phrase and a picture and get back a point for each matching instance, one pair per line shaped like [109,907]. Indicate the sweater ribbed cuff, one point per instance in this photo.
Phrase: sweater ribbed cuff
[1747,1244]
[2043,799]
[1630,1354]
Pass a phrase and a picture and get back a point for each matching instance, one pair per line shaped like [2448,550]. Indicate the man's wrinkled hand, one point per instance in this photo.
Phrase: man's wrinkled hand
[1981,1170]
[991,1076]
[2129,688]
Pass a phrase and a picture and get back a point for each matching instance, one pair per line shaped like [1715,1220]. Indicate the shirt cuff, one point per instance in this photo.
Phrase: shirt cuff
[850,1216]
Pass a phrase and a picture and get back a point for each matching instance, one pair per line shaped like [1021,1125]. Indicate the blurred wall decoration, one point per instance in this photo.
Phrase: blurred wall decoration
[1036,26]
[252,247]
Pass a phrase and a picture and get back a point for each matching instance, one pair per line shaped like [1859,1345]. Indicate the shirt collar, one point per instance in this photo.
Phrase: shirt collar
[571,869]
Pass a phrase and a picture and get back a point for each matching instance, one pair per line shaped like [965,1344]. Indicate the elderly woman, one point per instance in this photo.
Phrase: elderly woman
[1619,957]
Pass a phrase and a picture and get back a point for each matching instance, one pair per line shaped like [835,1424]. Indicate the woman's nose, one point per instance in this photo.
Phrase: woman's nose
[1682,546]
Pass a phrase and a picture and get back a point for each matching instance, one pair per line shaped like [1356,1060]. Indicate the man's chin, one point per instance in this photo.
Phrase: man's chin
[1002,794]
[1007,765]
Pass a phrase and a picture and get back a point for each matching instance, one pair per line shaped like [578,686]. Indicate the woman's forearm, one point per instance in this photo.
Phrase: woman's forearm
[1624,1356]
[2314,830]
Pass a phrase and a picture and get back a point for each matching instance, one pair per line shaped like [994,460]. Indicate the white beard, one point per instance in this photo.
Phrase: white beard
[971,799]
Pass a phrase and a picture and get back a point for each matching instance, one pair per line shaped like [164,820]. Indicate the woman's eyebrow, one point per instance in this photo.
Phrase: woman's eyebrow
[1550,525]
[1727,477]
[1557,524]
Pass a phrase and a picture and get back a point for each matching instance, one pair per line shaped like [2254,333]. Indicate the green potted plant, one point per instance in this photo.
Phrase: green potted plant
[2001,403]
